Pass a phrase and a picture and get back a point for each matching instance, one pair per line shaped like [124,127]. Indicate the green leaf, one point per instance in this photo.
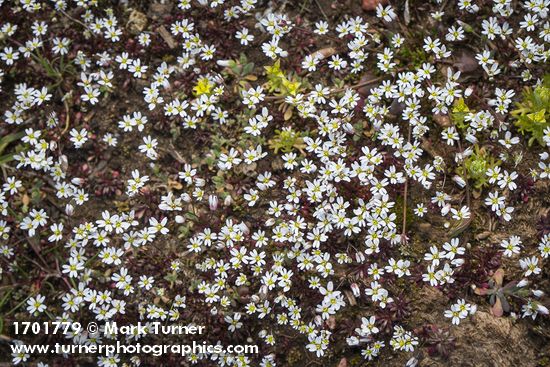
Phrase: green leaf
[6,158]
[6,140]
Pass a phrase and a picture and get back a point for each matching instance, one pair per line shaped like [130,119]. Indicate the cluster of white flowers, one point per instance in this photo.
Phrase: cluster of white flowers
[326,206]
[459,311]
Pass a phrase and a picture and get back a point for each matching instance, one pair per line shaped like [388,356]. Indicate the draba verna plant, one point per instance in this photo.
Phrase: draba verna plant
[533,112]
[308,183]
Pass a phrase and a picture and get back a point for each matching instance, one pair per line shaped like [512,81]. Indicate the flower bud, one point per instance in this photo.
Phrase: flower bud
[348,128]
[355,289]
[537,293]
[69,209]
[223,63]
[471,138]
[244,228]
[64,163]
[228,200]
[457,262]
[318,320]
[446,209]
[542,309]
[263,291]
[459,181]
[522,283]
[77,181]
[213,202]
[179,219]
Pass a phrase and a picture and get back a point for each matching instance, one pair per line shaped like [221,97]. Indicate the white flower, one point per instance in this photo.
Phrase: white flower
[530,265]
[511,246]
[79,137]
[36,304]
[244,36]
[148,147]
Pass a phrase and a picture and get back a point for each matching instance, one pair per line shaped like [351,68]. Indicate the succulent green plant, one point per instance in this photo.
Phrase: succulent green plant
[242,70]
[286,140]
[278,81]
[532,113]
[498,293]
[476,165]
[240,67]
